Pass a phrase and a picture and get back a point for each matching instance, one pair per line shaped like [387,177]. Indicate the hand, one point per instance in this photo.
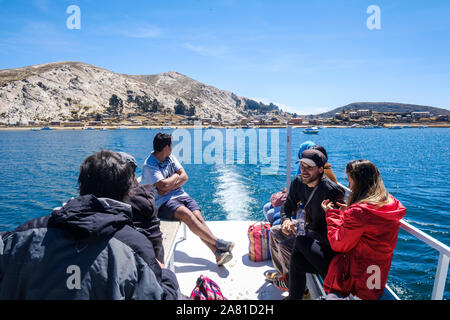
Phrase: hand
[161,264]
[342,206]
[327,205]
[288,227]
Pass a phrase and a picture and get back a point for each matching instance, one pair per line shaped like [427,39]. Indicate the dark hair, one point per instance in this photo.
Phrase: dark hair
[368,186]
[161,140]
[105,175]
[321,149]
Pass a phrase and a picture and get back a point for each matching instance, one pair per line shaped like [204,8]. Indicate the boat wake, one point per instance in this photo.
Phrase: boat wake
[232,194]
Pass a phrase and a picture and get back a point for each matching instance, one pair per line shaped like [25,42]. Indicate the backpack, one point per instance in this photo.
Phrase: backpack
[258,236]
[278,199]
[206,289]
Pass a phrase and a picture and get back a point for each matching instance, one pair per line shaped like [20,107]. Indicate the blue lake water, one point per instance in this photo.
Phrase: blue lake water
[39,171]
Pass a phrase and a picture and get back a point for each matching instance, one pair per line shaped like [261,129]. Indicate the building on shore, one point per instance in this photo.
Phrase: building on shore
[295,121]
[420,114]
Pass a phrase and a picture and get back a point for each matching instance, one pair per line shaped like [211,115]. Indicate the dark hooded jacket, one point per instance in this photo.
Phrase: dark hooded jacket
[87,249]
[145,216]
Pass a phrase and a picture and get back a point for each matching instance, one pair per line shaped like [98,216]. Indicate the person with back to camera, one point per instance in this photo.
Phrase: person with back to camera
[364,232]
[88,249]
[144,213]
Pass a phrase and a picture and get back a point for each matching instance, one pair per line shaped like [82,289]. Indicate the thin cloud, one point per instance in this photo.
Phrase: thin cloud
[141,32]
[133,30]
[208,51]
[42,5]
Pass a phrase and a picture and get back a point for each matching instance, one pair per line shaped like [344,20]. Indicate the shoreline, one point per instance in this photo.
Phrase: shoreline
[122,127]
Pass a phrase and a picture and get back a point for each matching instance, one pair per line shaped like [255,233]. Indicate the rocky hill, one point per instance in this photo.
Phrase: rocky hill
[385,107]
[73,90]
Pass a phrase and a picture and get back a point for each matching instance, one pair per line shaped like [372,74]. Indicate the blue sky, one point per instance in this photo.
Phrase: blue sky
[306,56]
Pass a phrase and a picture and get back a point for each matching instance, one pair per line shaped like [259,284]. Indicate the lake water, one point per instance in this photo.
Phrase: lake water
[39,171]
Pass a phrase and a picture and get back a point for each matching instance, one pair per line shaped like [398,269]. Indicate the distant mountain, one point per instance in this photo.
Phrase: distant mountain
[75,90]
[385,107]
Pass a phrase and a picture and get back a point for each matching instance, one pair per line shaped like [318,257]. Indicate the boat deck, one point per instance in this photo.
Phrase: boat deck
[239,279]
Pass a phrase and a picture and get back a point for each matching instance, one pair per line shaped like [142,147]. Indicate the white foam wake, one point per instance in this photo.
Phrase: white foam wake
[232,194]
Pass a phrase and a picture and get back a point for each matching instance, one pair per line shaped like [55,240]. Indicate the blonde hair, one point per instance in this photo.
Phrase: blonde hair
[368,186]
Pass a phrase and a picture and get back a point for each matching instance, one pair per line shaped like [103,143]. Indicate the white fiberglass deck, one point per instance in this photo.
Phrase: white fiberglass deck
[239,279]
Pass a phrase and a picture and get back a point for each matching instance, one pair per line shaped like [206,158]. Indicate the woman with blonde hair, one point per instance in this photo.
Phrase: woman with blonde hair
[364,233]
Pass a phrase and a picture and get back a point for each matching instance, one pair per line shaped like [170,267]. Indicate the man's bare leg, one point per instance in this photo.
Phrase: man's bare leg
[195,222]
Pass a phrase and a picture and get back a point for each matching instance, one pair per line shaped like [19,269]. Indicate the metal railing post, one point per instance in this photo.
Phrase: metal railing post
[288,157]
[440,278]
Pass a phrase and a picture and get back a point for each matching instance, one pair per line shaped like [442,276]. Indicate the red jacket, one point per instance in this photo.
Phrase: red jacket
[364,237]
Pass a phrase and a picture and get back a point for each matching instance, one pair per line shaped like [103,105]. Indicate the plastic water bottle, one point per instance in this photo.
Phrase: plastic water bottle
[301,217]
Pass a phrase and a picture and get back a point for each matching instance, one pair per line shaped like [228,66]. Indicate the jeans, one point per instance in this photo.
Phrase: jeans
[308,256]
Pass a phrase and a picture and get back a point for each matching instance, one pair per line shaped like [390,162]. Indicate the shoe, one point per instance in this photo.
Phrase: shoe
[223,257]
[306,295]
[271,275]
[224,245]
[281,283]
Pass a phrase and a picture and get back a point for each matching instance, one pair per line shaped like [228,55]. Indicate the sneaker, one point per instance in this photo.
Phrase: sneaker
[306,295]
[224,245]
[271,275]
[281,283]
[223,257]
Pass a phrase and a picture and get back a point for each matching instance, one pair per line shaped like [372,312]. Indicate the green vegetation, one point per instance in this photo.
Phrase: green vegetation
[116,105]
[259,106]
[180,108]
[144,103]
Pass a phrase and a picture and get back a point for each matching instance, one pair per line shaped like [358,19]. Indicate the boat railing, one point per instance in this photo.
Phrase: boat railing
[444,255]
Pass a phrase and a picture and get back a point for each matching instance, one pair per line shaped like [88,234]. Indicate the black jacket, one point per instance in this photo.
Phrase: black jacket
[316,224]
[145,216]
[40,259]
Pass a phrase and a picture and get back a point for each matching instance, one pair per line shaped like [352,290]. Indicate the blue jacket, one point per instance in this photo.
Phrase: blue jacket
[87,249]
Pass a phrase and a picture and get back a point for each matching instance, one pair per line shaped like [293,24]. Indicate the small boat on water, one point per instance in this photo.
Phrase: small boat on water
[423,127]
[311,130]
[396,127]
[46,128]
